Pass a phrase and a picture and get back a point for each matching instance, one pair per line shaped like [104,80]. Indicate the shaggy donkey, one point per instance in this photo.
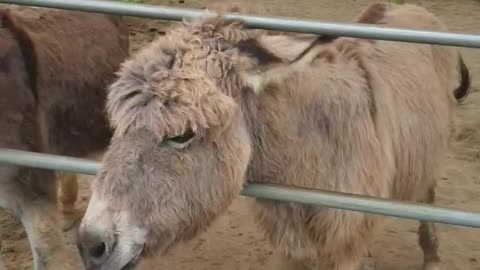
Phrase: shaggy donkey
[54,68]
[209,105]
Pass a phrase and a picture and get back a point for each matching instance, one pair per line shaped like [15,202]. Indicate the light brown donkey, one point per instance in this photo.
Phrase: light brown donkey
[54,69]
[211,104]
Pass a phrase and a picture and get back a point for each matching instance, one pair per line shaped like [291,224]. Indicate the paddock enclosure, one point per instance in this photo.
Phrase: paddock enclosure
[235,242]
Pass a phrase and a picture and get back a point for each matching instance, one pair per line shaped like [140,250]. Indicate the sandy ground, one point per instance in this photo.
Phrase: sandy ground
[235,243]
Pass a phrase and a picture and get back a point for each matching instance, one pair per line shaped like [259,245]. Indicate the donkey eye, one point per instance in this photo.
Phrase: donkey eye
[184,138]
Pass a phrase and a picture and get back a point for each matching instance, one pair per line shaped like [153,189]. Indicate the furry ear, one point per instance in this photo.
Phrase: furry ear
[373,14]
[237,7]
[253,61]
[257,77]
[259,61]
[257,80]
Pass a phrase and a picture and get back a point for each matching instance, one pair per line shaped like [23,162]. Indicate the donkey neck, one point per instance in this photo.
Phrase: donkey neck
[302,127]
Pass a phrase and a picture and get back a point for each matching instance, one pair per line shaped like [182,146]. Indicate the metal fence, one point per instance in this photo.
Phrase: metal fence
[273,192]
[269,23]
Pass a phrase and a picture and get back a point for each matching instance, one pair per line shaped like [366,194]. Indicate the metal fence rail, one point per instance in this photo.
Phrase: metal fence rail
[274,192]
[270,23]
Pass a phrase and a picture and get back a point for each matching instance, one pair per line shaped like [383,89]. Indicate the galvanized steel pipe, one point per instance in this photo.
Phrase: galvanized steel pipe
[270,23]
[47,161]
[274,192]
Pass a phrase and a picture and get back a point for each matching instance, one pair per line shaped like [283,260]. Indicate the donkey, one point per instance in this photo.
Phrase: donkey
[55,66]
[210,104]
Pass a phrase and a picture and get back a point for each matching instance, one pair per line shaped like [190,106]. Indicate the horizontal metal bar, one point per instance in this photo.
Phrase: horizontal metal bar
[270,23]
[48,161]
[364,204]
[274,192]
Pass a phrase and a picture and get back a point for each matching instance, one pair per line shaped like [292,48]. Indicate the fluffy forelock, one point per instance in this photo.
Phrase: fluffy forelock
[173,83]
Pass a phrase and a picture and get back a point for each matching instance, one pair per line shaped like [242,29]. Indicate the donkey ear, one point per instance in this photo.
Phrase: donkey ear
[254,62]
[373,14]
[272,74]
[272,57]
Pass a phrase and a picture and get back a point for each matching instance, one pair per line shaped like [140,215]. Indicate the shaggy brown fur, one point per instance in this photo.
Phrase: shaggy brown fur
[197,112]
[54,69]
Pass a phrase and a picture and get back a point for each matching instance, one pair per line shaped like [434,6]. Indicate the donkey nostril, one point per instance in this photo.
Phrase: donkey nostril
[98,251]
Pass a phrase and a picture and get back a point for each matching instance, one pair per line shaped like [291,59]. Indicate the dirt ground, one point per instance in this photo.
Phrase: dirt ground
[235,243]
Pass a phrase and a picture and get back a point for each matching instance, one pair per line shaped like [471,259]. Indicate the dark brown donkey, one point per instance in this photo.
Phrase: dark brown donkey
[54,68]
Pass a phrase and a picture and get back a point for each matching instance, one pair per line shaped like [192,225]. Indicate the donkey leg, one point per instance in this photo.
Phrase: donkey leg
[289,263]
[349,249]
[284,226]
[3,265]
[348,265]
[49,248]
[282,262]
[427,239]
[68,192]
[369,262]
[8,197]
[31,196]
